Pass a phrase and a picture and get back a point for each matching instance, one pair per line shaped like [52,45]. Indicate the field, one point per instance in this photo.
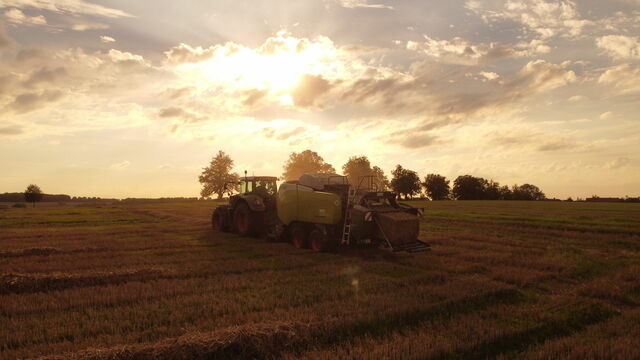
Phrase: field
[530,280]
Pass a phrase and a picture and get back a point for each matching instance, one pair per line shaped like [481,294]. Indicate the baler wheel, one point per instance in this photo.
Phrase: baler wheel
[318,241]
[298,237]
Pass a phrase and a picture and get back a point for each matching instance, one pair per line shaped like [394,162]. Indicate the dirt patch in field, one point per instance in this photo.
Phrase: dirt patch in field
[256,341]
[22,283]
[44,251]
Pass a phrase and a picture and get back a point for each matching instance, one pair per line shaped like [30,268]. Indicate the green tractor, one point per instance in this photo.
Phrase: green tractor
[248,212]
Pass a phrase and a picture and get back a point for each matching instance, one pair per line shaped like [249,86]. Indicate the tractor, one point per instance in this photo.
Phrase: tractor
[248,212]
[321,212]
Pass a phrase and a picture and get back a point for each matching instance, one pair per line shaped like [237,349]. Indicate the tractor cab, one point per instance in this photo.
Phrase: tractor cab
[260,185]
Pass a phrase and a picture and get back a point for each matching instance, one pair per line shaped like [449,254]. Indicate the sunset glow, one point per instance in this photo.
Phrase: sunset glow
[119,99]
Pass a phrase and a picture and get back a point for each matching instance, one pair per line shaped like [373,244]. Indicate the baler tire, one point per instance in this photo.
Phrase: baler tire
[298,236]
[319,241]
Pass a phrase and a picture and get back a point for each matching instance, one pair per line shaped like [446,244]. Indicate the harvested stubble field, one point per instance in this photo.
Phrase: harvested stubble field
[530,280]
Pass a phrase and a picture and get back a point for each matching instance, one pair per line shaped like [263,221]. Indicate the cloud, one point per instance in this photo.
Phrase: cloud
[82,25]
[454,51]
[489,75]
[544,18]
[127,59]
[184,53]
[170,112]
[619,163]
[254,96]
[620,46]
[576,98]
[46,75]
[530,139]
[418,141]
[535,77]
[18,17]
[354,4]
[27,102]
[107,39]
[463,52]
[622,77]
[66,7]
[288,134]
[606,115]
[11,130]
[308,89]
[179,113]
[121,165]
[5,40]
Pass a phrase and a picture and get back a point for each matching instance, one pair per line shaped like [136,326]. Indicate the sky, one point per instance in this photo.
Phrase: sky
[133,98]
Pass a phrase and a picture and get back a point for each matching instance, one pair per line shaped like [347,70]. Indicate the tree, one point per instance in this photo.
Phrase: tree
[436,187]
[467,187]
[381,178]
[527,192]
[491,190]
[216,177]
[505,193]
[33,194]
[358,167]
[305,162]
[405,182]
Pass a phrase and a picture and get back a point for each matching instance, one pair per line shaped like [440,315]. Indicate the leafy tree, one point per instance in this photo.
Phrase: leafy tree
[436,186]
[505,193]
[358,167]
[33,194]
[527,192]
[491,190]
[467,187]
[405,182]
[381,178]
[216,177]
[305,162]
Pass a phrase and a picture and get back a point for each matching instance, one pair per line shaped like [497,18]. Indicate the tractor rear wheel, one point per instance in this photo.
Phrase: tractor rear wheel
[298,236]
[319,241]
[220,219]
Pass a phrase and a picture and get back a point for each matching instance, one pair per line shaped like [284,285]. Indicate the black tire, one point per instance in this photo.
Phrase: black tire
[220,219]
[298,236]
[247,222]
[319,241]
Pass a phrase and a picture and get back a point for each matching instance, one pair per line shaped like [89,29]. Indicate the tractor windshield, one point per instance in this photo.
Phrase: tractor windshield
[246,186]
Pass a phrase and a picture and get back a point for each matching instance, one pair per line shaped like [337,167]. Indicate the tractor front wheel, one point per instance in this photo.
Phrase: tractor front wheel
[242,219]
[298,236]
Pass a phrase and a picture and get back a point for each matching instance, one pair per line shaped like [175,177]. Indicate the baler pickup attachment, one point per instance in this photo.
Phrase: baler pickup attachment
[417,246]
[400,230]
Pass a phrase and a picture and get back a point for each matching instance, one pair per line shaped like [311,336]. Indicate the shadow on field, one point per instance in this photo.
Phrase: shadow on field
[19,283]
[272,340]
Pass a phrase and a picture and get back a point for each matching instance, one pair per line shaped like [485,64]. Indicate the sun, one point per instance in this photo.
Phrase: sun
[276,66]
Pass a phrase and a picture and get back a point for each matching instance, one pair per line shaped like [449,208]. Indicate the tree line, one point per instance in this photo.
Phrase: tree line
[219,179]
